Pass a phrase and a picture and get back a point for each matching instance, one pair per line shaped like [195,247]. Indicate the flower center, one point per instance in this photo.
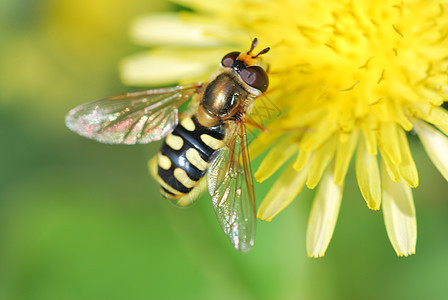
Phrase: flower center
[358,59]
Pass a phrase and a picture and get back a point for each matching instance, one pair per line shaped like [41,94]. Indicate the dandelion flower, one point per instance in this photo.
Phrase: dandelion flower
[357,75]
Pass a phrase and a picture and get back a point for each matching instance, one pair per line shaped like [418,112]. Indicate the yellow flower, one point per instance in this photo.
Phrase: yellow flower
[347,75]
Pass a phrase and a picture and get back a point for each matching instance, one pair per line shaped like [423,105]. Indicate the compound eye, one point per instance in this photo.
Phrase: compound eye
[228,60]
[256,77]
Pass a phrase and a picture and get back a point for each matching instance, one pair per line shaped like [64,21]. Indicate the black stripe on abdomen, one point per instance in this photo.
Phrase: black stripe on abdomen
[189,157]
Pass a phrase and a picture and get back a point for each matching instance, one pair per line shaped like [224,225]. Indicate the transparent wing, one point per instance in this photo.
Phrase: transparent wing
[132,118]
[264,110]
[231,187]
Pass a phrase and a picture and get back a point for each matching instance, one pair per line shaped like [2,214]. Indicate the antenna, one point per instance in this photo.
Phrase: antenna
[262,52]
[254,44]
[252,47]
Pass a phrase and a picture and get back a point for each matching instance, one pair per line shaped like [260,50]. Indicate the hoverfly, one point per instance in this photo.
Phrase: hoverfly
[210,140]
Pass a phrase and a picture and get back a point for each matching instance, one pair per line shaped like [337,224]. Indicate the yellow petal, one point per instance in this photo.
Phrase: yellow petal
[436,145]
[432,96]
[344,156]
[323,217]
[368,175]
[399,215]
[318,135]
[430,113]
[276,158]
[407,167]
[281,194]
[158,67]
[302,115]
[171,29]
[321,159]
[443,128]
[389,141]
[402,117]
[263,142]
[302,159]
[392,169]
[369,136]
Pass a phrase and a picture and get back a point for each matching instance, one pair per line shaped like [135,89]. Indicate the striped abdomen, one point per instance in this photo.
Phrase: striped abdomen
[185,156]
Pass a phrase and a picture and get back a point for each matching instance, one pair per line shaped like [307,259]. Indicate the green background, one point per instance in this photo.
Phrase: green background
[82,220]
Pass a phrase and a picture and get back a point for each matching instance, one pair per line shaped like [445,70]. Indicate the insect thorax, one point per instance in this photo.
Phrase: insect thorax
[224,96]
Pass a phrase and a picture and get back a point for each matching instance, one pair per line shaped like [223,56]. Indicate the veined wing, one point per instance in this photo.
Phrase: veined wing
[132,118]
[231,187]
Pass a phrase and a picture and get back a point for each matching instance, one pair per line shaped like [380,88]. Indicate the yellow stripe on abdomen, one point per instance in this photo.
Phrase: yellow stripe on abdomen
[183,178]
[174,193]
[175,142]
[163,161]
[212,142]
[188,124]
[195,159]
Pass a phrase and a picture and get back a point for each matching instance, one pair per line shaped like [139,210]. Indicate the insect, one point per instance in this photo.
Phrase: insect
[212,139]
